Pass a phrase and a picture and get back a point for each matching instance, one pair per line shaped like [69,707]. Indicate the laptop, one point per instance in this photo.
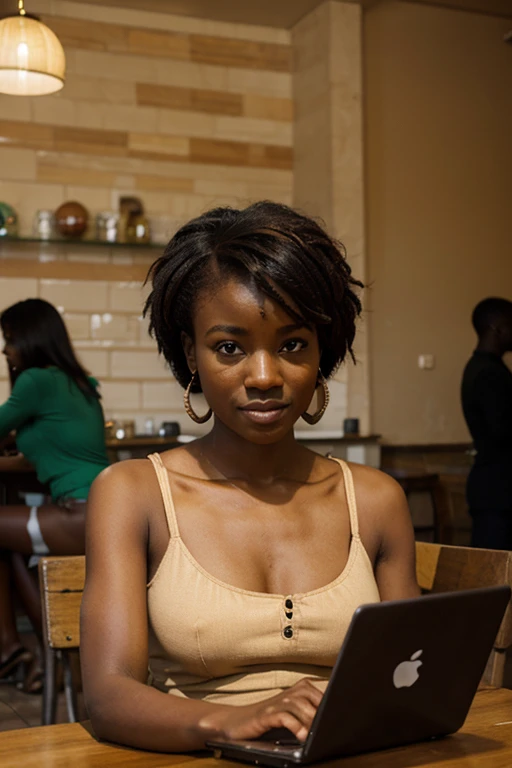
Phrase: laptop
[407,671]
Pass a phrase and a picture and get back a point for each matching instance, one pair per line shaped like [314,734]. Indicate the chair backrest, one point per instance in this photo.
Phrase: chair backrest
[62,583]
[443,568]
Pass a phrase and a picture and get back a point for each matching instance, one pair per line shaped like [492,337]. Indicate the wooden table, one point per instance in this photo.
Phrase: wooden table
[485,741]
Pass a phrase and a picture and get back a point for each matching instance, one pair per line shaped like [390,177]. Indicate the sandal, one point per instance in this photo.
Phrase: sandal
[19,657]
[33,680]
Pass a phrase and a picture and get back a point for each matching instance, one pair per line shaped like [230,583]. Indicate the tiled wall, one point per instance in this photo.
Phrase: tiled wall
[183,113]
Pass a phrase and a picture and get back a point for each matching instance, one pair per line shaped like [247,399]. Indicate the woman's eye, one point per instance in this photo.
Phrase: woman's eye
[294,345]
[228,348]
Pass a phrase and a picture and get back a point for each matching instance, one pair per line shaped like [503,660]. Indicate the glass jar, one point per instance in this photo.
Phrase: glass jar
[44,222]
[107,226]
[138,230]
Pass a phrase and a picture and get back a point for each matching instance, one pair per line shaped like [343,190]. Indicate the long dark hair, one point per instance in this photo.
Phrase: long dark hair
[38,332]
[270,245]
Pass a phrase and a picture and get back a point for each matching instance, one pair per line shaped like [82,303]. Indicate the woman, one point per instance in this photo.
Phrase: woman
[55,409]
[255,550]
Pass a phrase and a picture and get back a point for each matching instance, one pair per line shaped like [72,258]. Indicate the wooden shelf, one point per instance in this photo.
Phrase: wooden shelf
[141,440]
[70,241]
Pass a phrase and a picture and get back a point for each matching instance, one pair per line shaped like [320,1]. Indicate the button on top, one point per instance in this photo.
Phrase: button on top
[288,603]
[288,632]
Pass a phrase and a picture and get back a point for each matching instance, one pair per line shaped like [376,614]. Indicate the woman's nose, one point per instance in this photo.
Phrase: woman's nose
[263,372]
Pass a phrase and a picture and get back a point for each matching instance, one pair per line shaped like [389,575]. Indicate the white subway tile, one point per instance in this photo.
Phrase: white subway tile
[77,295]
[95,361]
[162,395]
[127,297]
[120,394]
[13,289]
[138,365]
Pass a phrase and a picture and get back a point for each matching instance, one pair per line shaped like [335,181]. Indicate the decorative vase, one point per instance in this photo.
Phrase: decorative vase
[71,219]
[8,221]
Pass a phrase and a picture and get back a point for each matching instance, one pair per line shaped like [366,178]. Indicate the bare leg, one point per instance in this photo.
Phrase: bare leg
[64,533]
[63,529]
[27,588]
[9,639]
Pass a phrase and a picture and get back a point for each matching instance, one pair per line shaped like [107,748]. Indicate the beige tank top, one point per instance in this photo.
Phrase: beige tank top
[219,643]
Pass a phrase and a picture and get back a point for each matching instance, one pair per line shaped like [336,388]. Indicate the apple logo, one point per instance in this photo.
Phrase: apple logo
[406,673]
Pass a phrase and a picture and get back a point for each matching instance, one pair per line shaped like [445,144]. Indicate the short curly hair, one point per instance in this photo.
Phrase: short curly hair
[271,246]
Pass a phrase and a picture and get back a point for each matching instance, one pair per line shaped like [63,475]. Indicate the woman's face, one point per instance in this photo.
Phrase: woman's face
[258,367]
[11,352]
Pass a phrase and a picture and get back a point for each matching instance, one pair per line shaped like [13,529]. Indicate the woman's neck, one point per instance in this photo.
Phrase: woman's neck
[235,457]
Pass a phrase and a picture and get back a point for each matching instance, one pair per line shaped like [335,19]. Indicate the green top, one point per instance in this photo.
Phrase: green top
[59,429]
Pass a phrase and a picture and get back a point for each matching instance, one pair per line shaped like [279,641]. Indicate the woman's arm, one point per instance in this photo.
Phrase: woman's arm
[385,520]
[22,405]
[16,463]
[114,636]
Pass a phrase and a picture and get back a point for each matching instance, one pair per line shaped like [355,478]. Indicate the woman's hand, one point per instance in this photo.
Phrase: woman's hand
[293,709]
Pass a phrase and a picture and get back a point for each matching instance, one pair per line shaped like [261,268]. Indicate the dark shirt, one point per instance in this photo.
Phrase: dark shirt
[487,406]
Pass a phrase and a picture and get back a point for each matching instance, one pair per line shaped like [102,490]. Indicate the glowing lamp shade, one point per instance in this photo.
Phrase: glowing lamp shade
[32,61]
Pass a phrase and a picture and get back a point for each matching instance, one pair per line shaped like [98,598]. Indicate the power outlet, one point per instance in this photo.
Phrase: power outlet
[426,362]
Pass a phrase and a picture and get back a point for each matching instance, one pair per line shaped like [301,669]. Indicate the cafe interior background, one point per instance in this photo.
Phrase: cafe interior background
[390,120]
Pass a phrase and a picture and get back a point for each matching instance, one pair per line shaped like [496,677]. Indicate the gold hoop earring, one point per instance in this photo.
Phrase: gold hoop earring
[188,408]
[314,418]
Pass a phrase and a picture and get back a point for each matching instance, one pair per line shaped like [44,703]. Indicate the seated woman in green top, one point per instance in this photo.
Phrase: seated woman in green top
[56,411]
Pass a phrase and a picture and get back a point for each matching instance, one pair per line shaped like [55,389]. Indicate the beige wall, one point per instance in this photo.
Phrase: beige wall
[187,114]
[184,113]
[328,168]
[438,107]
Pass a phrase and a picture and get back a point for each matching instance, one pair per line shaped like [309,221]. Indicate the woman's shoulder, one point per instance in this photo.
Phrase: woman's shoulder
[129,473]
[373,487]
[32,377]
[379,497]
[373,480]
[40,376]
[366,479]
[129,484]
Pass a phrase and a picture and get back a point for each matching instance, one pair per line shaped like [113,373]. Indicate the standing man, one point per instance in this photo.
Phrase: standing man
[487,406]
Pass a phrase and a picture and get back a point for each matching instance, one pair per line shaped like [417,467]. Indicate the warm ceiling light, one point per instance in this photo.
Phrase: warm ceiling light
[32,61]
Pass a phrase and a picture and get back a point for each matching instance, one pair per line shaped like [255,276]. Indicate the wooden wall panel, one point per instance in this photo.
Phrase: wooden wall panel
[193,99]
[152,146]
[214,102]
[185,114]
[267,108]
[242,54]
[165,44]
[72,270]
[203,49]
[91,35]
[17,133]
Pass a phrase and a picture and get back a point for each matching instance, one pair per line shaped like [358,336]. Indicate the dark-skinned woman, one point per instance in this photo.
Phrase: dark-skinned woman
[56,413]
[235,563]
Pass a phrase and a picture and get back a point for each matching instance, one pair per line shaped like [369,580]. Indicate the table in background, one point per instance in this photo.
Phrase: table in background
[485,741]
[138,447]
[362,449]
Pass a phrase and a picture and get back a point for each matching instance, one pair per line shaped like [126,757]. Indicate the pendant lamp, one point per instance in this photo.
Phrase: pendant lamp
[32,61]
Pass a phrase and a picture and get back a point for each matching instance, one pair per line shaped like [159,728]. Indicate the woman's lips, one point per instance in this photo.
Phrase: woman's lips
[264,414]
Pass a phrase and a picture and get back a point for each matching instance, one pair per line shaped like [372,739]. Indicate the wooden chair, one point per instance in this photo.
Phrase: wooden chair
[422,482]
[62,583]
[443,568]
